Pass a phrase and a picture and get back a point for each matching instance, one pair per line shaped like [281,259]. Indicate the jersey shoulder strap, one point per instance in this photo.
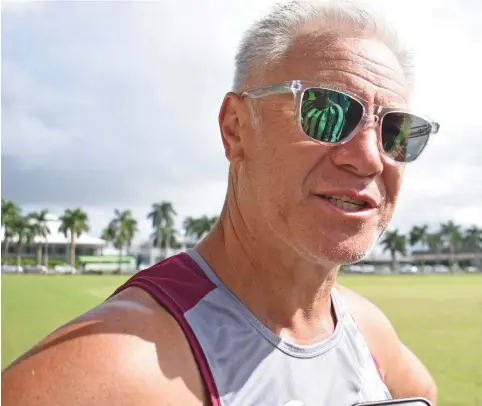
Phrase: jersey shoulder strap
[178,285]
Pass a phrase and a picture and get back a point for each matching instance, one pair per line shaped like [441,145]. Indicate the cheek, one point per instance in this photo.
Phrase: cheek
[273,173]
[280,160]
[392,180]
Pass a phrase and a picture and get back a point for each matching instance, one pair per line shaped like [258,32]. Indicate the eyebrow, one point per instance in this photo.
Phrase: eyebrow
[357,84]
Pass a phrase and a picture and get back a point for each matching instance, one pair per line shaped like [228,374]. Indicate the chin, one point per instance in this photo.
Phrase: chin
[342,256]
[344,250]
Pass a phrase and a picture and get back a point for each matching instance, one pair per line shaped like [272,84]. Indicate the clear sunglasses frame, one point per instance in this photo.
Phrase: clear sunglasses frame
[298,88]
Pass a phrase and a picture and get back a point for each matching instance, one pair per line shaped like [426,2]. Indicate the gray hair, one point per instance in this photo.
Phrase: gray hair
[268,39]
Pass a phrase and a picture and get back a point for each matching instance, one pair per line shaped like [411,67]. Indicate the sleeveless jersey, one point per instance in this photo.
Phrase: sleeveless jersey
[243,363]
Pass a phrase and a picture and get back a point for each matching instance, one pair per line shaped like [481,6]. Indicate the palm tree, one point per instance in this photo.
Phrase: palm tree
[394,243]
[473,238]
[196,228]
[419,235]
[10,213]
[73,222]
[212,221]
[162,220]
[435,242]
[24,231]
[190,226]
[452,237]
[169,239]
[109,234]
[41,229]
[124,227]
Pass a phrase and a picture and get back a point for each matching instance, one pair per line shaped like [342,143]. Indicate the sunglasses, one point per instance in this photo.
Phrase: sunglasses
[333,117]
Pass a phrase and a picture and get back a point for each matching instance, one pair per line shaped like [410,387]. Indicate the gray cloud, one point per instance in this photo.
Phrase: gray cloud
[108,126]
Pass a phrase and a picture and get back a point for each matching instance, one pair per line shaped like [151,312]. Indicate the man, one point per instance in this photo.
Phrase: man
[317,133]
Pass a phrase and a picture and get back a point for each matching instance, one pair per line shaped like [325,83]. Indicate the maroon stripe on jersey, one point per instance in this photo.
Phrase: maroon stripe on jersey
[178,284]
[180,278]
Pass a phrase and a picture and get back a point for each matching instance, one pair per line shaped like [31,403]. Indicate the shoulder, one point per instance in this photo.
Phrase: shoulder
[374,325]
[403,372]
[128,350]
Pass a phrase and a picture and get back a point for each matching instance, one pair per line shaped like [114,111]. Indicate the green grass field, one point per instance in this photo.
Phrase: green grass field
[438,316]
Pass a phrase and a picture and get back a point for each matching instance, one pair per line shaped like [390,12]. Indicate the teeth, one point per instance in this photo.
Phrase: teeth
[347,199]
[345,205]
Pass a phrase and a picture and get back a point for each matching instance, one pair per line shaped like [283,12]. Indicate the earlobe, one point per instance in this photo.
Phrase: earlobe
[230,123]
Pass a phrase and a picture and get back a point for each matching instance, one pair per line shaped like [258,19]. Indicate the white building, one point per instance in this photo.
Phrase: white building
[57,245]
[146,254]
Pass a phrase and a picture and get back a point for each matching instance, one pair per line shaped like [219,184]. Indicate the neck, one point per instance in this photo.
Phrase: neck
[290,295]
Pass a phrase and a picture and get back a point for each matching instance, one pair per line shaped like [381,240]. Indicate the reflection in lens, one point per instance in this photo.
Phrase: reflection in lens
[329,116]
[404,136]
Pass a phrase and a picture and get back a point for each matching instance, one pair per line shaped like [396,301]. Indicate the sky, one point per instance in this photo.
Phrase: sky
[111,105]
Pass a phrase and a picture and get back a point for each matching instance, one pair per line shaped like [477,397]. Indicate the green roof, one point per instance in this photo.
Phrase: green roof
[104,259]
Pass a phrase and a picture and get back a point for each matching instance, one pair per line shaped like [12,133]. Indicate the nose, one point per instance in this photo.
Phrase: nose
[361,154]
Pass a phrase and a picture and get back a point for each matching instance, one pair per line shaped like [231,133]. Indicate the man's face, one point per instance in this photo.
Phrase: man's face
[282,172]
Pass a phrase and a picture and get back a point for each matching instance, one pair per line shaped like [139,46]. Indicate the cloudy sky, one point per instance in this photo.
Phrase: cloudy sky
[114,105]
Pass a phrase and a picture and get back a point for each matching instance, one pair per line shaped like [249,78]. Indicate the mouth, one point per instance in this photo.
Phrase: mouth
[347,203]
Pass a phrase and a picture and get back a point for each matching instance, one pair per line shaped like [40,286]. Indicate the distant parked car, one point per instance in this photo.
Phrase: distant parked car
[11,269]
[384,269]
[65,268]
[427,269]
[441,269]
[408,269]
[368,268]
[353,269]
[35,269]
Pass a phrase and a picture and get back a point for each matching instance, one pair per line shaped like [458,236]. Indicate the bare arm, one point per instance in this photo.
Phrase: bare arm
[121,353]
[406,376]
[403,373]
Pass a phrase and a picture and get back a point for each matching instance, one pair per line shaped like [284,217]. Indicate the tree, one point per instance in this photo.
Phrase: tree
[196,228]
[122,229]
[41,229]
[394,243]
[169,240]
[10,214]
[73,223]
[109,234]
[435,241]
[472,238]
[452,237]
[419,235]
[24,232]
[162,218]
[191,225]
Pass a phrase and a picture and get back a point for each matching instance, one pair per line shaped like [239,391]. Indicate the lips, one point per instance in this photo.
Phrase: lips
[350,201]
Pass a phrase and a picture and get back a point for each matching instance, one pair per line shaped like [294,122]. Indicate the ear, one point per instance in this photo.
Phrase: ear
[232,117]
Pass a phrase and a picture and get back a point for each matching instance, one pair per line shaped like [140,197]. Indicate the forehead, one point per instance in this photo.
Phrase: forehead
[365,67]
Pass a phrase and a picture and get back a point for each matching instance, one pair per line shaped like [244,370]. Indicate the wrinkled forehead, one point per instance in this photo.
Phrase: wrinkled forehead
[365,67]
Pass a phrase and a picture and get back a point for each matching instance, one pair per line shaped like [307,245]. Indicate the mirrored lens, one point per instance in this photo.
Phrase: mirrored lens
[404,136]
[328,115]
